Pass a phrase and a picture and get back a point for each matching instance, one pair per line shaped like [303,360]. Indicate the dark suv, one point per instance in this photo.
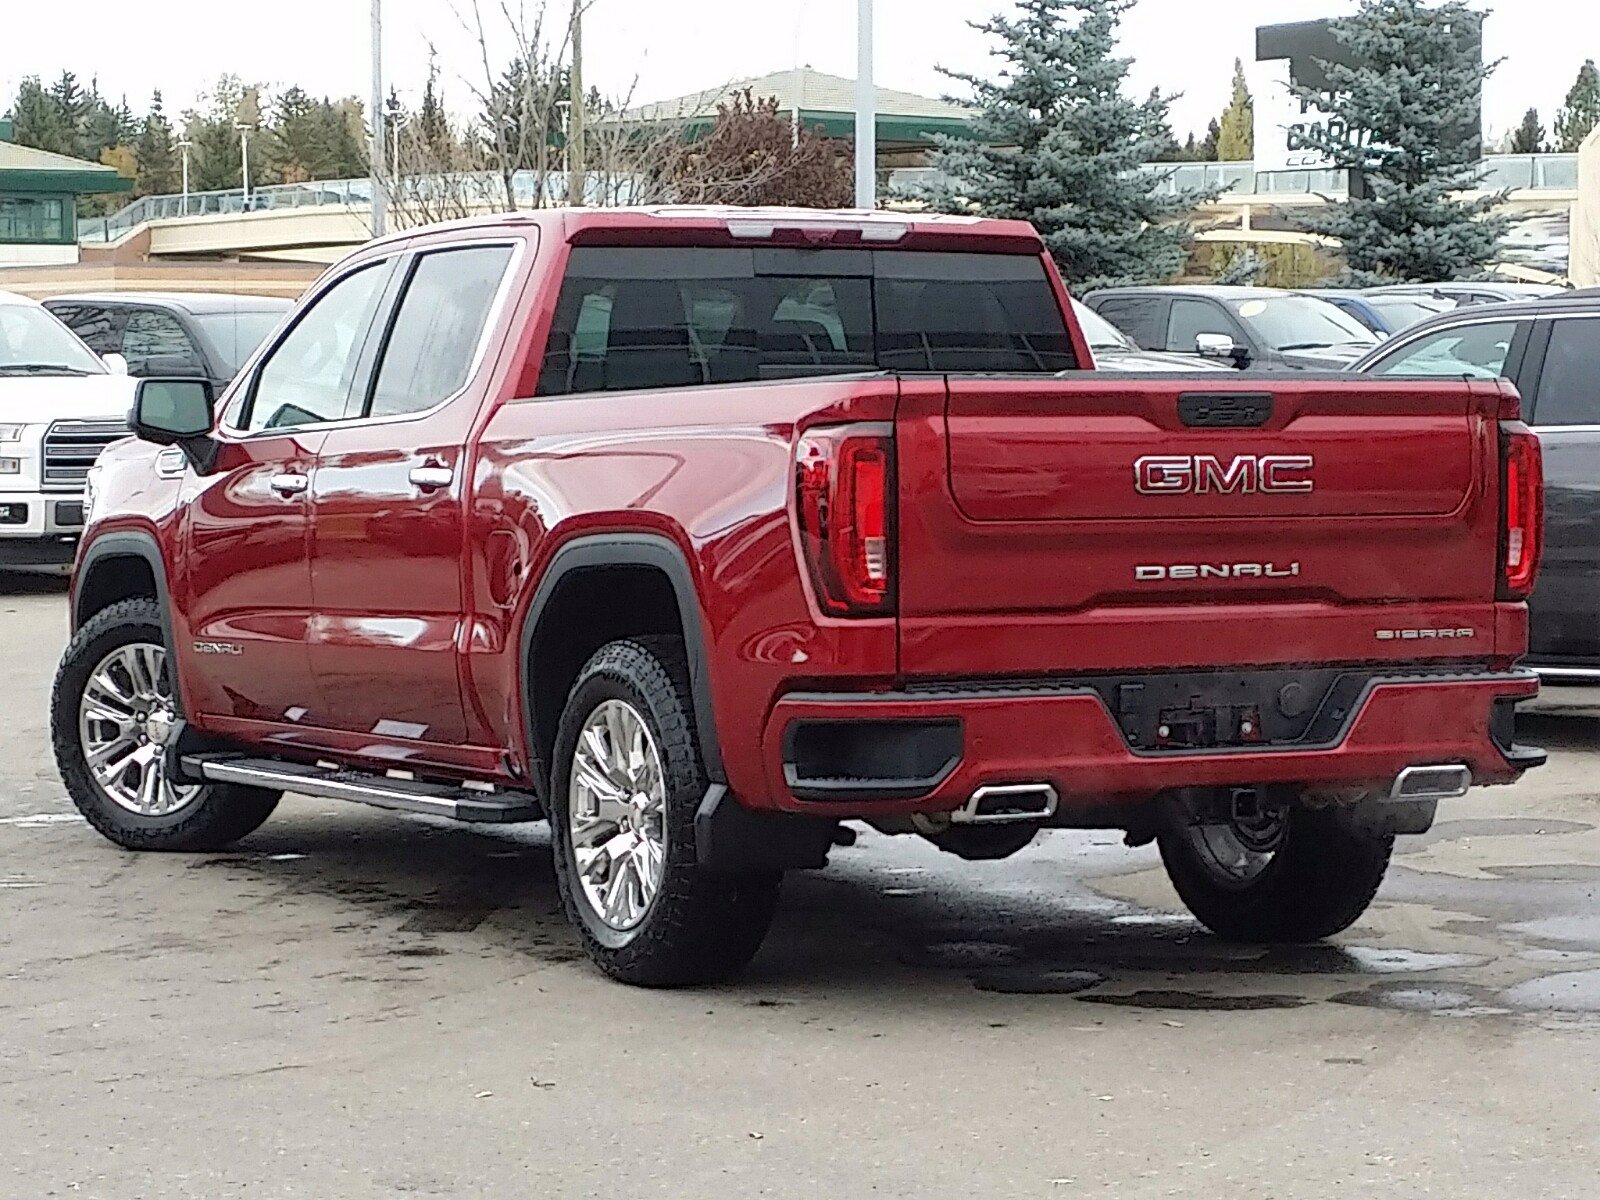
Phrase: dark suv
[1551,350]
[1259,328]
[203,335]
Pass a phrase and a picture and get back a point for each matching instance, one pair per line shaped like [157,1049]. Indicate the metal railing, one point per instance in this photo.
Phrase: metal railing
[1518,172]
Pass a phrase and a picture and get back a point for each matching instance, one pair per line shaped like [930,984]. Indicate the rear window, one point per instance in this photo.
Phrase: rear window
[671,317]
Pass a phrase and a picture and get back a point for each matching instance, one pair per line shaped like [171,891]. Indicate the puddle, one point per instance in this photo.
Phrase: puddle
[960,955]
[418,952]
[1547,873]
[1022,981]
[1196,1001]
[1449,831]
[1571,991]
[1433,1001]
[1581,929]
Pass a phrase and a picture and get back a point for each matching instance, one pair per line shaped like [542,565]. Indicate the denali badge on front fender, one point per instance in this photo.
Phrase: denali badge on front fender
[1204,474]
[1217,571]
[216,648]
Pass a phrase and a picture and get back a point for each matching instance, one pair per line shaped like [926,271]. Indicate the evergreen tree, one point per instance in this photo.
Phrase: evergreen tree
[40,123]
[1236,132]
[1412,104]
[1581,113]
[72,106]
[160,171]
[215,160]
[1213,139]
[1059,144]
[1527,138]
[433,132]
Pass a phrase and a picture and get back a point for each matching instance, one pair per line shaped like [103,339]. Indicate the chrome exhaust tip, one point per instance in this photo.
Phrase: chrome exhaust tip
[1007,804]
[1432,783]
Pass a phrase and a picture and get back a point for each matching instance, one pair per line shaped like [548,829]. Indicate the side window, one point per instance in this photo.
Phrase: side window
[1569,385]
[1143,318]
[99,327]
[1476,351]
[307,377]
[436,331]
[154,343]
[1191,318]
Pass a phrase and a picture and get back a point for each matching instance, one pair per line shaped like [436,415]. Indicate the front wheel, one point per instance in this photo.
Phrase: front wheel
[112,714]
[625,785]
[1257,871]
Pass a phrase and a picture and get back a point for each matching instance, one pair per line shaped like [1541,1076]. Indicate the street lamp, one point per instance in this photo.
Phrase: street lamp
[375,170]
[866,111]
[185,145]
[246,118]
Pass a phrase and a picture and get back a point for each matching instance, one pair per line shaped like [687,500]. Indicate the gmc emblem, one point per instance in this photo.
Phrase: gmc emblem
[1205,474]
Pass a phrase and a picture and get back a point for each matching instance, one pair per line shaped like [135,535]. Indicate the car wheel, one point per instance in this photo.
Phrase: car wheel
[626,782]
[112,713]
[1274,873]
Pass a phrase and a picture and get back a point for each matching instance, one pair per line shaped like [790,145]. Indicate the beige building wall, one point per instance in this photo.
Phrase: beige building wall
[1585,271]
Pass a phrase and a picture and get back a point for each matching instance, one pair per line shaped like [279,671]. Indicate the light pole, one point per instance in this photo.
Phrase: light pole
[375,170]
[866,111]
[575,162]
[184,145]
[244,160]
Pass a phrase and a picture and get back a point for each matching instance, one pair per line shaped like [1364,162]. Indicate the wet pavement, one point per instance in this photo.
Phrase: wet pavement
[355,1004]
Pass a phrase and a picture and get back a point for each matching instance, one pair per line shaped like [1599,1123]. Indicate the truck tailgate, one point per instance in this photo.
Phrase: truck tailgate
[1098,523]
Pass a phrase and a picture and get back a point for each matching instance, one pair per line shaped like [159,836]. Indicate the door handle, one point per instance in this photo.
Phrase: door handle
[431,478]
[289,484]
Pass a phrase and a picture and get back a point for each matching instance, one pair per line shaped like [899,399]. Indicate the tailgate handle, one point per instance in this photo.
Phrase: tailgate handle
[1225,410]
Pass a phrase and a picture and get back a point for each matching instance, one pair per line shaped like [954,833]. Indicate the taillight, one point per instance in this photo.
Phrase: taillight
[844,490]
[1521,509]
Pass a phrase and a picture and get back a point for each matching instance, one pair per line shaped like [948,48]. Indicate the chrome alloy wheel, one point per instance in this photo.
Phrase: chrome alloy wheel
[1237,848]
[616,814]
[126,717]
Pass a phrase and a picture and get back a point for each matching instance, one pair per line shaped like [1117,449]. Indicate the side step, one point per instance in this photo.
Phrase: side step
[385,791]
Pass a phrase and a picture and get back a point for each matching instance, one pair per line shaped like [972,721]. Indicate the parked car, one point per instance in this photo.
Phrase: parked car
[204,334]
[1383,313]
[60,405]
[1114,350]
[701,531]
[1466,293]
[1551,350]
[1257,328]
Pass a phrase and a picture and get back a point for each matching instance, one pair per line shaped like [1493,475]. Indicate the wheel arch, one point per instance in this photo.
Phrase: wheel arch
[124,565]
[639,567]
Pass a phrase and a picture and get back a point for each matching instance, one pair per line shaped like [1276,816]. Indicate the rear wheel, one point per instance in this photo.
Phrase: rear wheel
[626,783]
[1254,869]
[112,716]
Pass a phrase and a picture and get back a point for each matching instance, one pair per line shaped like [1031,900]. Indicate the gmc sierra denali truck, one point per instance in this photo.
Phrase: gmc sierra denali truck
[699,532]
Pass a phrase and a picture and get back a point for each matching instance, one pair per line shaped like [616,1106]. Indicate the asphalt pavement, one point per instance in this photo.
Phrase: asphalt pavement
[357,1004]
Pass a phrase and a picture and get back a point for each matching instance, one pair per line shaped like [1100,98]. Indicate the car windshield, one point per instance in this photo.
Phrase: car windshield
[32,342]
[1101,333]
[1300,323]
[1402,312]
[235,335]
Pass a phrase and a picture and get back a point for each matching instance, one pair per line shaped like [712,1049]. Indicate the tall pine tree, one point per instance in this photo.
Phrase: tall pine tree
[1527,138]
[1581,113]
[1058,143]
[159,170]
[1236,132]
[1412,103]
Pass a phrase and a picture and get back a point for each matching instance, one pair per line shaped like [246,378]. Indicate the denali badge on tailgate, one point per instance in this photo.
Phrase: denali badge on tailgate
[1204,474]
[1217,571]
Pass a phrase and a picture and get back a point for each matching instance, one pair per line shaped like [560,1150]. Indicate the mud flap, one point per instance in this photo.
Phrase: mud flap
[729,837]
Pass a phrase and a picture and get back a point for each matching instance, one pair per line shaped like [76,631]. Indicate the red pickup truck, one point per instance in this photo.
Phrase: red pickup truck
[699,532]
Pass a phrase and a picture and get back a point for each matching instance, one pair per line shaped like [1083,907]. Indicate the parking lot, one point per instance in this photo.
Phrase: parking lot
[358,1004]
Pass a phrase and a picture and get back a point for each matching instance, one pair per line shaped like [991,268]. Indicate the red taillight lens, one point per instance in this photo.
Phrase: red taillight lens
[1522,509]
[844,479]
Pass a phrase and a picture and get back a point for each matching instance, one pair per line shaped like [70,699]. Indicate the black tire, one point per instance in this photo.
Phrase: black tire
[218,816]
[702,926]
[1317,883]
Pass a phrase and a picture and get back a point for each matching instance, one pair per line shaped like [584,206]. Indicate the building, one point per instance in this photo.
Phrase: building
[906,121]
[39,201]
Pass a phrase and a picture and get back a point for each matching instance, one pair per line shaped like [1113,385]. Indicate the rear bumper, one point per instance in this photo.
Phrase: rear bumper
[1066,736]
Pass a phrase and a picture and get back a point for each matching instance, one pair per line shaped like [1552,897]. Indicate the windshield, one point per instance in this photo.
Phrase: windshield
[32,342]
[1101,333]
[1404,312]
[1300,323]
[234,335]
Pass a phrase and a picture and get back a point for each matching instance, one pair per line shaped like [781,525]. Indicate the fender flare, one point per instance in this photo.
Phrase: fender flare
[129,543]
[590,551]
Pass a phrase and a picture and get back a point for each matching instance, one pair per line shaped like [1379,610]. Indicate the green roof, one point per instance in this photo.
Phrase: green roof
[24,169]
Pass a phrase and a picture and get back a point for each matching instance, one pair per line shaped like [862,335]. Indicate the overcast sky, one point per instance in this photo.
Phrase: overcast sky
[663,48]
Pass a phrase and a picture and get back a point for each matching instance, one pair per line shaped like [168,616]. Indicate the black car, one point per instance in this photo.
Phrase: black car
[202,334]
[1551,350]
[1259,328]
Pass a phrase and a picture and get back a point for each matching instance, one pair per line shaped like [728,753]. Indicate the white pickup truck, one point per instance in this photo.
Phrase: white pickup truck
[60,405]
